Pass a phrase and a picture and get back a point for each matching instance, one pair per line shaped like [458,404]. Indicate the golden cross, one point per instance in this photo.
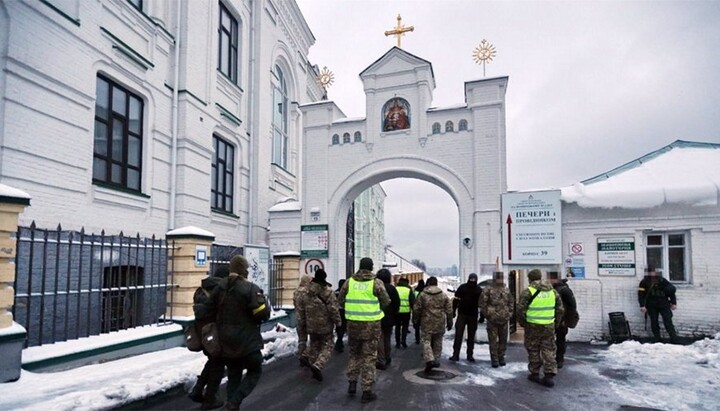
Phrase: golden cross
[399,30]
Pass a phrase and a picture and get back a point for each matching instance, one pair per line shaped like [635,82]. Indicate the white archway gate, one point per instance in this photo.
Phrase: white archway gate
[400,138]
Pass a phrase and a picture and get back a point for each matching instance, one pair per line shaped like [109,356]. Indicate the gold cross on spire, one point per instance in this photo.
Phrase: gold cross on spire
[399,30]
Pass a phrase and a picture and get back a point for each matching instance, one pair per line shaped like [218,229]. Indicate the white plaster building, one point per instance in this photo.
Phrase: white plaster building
[149,115]
[370,225]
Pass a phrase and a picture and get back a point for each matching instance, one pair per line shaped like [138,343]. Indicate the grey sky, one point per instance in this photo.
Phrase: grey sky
[592,85]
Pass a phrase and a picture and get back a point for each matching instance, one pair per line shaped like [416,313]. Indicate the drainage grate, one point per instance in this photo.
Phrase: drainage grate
[436,375]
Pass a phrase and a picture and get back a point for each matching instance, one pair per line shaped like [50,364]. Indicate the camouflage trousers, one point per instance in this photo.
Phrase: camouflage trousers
[302,340]
[497,339]
[363,344]
[320,349]
[540,346]
[432,345]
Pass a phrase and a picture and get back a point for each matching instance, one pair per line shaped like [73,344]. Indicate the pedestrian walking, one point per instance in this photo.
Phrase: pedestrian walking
[387,323]
[340,331]
[570,306]
[407,300]
[318,312]
[363,297]
[540,311]
[465,304]
[239,307]
[419,287]
[300,327]
[656,296]
[496,304]
[433,312]
[208,382]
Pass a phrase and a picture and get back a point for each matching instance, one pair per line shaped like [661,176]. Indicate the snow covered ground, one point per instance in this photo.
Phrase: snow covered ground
[645,375]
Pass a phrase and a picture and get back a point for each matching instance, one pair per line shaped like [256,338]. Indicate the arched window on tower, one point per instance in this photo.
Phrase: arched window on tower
[346,138]
[449,127]
[436,128]
[358,137]
[462,125]
[336,139]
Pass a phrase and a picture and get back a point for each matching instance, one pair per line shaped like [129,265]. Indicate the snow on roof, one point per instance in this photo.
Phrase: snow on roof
[348,120]
[289,204]
[7,191]
[450,107]
[190,230]
[682,172]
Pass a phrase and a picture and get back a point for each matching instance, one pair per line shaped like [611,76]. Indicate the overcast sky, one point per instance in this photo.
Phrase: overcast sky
[592,85]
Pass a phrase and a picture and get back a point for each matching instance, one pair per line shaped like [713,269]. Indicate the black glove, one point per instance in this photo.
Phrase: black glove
[449,325]
[482,319]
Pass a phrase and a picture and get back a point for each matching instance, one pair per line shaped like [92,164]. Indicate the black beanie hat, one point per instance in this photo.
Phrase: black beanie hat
[384,275]
[431,281]
[535,275]
[320,276]
[366,264]
[239,265]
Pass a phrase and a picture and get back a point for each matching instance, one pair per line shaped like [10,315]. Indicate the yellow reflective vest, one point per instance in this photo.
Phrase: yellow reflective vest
[404,293]
[361,304]
[542,309]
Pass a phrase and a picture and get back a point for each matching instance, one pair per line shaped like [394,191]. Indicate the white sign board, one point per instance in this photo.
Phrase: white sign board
[532,229]
[616,256]
[200,255]
[314,241]
[258,258]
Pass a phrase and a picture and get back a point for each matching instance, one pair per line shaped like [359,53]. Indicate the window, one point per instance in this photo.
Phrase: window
[449,127]
[335,139]
[462,125]
[669,250]
[137,3]
[117,154]
[346,138]
[228,44]
[223,166]
[436,128]
[279,119]
[358,137]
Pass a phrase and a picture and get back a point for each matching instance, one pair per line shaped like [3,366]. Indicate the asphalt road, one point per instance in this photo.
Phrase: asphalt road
[582,384]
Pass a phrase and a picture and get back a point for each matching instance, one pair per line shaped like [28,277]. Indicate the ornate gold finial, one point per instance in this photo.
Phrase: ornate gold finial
[399,30]
[484,53]
[326,78]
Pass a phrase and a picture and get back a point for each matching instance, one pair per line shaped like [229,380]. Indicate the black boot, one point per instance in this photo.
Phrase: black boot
[317,374]
[502,362]
[535,377]
[211,403]
[352,387]
[454,357]
[494,364]
[196,395]
[548,380]
[429,366]
[368,396]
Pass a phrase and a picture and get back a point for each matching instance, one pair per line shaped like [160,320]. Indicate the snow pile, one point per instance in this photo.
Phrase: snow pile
[489,376]
[651,367]
[281,342]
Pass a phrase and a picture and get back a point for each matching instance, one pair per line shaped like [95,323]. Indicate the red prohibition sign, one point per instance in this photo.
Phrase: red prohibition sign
[577,248]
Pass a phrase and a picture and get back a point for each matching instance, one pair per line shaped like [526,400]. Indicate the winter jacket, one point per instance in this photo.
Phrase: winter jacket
[524,302]
[318,309]
[496,304]
[201,299]
[567,297]
[467,298]
[391,310]
[365,330]
[411,295]
[657,294]
[241,307]
[433,310]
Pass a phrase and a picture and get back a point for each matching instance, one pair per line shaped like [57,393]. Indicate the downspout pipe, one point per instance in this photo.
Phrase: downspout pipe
[252,136]
[175,117]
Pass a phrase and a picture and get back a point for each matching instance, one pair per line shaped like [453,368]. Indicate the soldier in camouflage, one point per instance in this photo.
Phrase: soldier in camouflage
[318,312]
[496,304]
[301,330]
[364,297]
[433,312]
[540,311]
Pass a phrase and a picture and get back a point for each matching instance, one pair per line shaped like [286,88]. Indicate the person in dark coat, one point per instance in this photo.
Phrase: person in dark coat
[240,307]
[465,304]
[657,297]
[568,300]
[407,300]
[418,289]
[340,331]
[388,321]
[208,382]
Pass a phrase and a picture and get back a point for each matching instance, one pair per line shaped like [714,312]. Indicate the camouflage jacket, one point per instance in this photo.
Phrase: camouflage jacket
[365,330]
[497,304]
[297,298]
[432,310]
[318,309]
[525,296]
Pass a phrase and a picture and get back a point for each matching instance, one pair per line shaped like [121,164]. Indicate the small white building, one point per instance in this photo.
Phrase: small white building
[662,209]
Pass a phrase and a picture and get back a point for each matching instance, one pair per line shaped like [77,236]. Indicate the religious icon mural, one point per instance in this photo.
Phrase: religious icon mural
[396,114]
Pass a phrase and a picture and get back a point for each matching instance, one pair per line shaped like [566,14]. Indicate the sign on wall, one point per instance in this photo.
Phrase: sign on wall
[616,256]
[312,265]
[314,241]
[258,258]
[532,229]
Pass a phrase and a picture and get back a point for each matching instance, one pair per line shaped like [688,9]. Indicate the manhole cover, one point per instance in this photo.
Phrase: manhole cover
[436,375]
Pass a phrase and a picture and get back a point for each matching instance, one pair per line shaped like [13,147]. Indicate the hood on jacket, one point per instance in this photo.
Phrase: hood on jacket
[210,282]
[364,275]
[541,285]
[432,289]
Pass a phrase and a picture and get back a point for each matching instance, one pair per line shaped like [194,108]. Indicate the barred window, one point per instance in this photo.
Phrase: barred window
[223,175]
[117,152]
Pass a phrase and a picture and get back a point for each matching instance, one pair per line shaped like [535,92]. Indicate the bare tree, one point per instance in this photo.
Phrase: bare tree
[419,264]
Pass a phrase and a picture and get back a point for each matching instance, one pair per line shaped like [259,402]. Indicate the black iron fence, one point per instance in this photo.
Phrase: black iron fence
[220,256]
[70,284]
[276,288]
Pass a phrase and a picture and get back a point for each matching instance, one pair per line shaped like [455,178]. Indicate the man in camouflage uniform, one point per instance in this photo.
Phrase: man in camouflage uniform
[433,312]
[364,297]
[318,311]
[540,311]
[497,305]
[301,329]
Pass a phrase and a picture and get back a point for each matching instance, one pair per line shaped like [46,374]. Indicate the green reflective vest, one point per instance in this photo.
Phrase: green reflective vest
[404,293]
[361,303]
[542,309]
